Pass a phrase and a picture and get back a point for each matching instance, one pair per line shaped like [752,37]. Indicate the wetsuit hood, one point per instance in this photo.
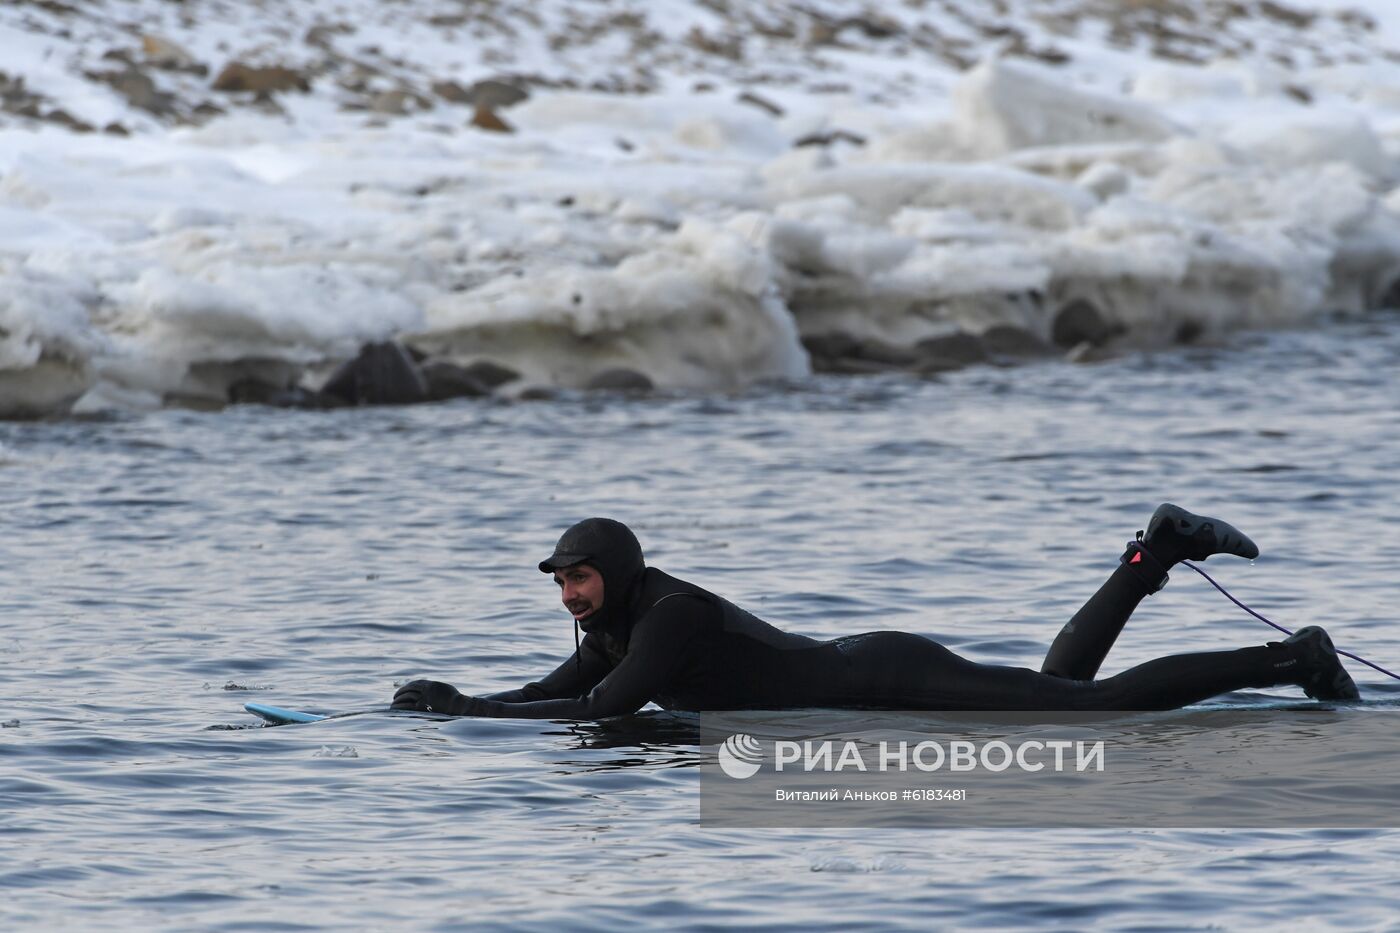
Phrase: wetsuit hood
[610,547]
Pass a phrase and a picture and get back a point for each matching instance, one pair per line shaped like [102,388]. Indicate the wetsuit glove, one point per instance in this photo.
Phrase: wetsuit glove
[430,696]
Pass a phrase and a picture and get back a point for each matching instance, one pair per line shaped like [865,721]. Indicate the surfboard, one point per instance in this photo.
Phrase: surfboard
[280,716]
[277,716]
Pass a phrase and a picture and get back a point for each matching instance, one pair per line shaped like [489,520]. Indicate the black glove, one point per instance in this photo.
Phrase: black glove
[431,696]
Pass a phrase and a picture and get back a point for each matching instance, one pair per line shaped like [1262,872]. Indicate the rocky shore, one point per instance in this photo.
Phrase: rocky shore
[317,205]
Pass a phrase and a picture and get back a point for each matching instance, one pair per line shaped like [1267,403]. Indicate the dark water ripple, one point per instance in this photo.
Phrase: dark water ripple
[163,569]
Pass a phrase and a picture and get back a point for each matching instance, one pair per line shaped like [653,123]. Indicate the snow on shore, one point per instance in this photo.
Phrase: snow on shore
[707,193]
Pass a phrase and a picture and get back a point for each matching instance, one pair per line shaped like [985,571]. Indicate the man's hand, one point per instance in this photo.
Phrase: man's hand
[431,696]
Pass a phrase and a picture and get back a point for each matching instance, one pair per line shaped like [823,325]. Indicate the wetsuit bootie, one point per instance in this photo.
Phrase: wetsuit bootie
[1322,677]
[1174,534]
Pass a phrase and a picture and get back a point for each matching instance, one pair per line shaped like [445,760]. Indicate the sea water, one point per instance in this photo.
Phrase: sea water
[161,569]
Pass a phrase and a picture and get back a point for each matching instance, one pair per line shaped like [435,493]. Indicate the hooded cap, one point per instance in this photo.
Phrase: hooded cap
[610,547]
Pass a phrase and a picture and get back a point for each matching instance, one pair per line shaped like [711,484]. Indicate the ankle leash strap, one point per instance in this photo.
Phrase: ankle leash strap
[1147,567]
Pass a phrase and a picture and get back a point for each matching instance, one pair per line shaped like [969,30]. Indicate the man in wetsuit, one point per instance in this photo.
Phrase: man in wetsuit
[650,637]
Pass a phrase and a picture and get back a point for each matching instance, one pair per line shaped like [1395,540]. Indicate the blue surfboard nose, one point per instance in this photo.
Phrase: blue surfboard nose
[278,716]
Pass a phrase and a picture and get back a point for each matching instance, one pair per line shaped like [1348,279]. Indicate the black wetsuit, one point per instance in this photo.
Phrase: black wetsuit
[654,638]
[687,649]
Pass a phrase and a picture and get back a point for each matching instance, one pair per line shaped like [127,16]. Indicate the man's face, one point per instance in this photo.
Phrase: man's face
[580,589]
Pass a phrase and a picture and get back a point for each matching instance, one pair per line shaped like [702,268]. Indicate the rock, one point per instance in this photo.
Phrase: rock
[833,136]
[1297,19]
[762,103]
[64,118]
[842,353]
[237,76]
[492,375]
[252,391]
[1047,54]
[359,78]
[1008,340]
[538,394]
[1189,331]
[492,93]
[821,32]
[398,103]
[266,101]
[1390,296]
[486,119]
[497,94]
[1357,19]
[1079,322]
[448,380]
[888,355]
[855,366]
[784,30]
[830,346]
[13,88]
[621,380]
[383,374]
[874,27]
[116,129]
[207,110]
[322,35]
[950,351]
[17,99]
[452,92]
[139,90]
[162,53]
[726,45]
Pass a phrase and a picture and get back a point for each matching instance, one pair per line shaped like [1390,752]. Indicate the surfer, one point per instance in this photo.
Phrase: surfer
[650,637]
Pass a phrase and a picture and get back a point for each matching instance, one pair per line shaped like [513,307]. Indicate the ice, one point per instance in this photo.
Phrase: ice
[699,310]
[642,215]
[1003,106]
[1373,85]
[989,191]
[1313,139]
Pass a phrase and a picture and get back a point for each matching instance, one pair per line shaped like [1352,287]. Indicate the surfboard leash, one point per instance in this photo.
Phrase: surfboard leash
[1261,618]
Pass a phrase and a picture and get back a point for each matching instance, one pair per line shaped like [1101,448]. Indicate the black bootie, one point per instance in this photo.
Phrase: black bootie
[1174,534]
[1320,671]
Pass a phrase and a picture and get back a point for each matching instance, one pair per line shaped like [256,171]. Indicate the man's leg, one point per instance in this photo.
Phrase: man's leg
[1305,659]
[1172,535]
[897,670]
[912,672]
[1080,648]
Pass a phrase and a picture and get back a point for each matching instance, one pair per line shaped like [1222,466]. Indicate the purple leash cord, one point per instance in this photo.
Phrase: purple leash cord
[1231,598]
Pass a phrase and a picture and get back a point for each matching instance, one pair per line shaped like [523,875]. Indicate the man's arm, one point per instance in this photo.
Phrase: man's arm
[659,645]
[575,677]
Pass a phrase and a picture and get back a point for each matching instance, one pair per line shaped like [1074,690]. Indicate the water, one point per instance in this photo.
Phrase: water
[163,569]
